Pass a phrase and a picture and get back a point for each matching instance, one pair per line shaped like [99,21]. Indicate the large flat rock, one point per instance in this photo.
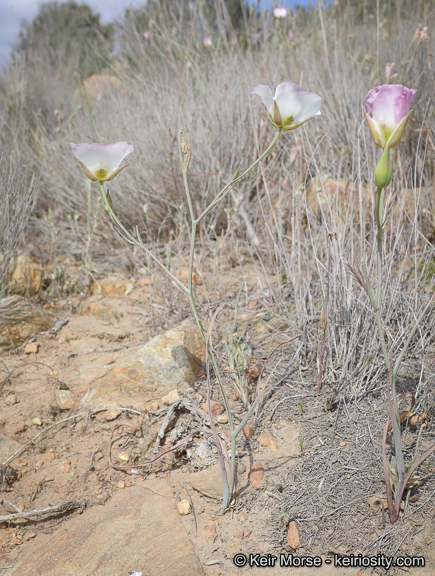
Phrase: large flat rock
[136,531]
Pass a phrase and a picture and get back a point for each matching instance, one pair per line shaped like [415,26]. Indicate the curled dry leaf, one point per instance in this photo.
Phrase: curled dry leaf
[254,371]
[414,419]
[185,149]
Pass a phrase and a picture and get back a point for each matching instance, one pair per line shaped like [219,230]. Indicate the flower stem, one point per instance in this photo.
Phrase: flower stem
[393,406]
[136,241]
[184,149]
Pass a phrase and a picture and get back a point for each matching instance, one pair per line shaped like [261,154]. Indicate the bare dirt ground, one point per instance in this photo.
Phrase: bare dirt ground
[305,471]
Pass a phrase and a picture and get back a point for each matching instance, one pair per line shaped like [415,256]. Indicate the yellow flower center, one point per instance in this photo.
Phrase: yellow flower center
[101,173]
[288,121]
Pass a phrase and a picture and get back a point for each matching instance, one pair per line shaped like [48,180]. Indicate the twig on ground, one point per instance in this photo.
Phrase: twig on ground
[63,507]
[198,414]
[158,493]
[165,424]
[193,512]
[58,326]
[9,504]
[102,350]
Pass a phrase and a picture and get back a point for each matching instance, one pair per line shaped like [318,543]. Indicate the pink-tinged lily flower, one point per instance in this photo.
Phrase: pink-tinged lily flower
[421,33]
[280,13]
[291,106]
[101,162]
[146,34]
[389,108]
[207,41]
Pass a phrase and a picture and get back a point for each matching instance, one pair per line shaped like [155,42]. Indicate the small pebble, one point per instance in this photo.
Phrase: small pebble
[216,407]
[32,348]
[222,419]
[170,397]
[123,457]
[111,414]
[183,507]
[11,399]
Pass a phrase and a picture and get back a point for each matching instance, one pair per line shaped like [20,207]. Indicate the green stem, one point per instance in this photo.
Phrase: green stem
[228,490]
[376,301]
[393,405]
[136,241]
[378,295]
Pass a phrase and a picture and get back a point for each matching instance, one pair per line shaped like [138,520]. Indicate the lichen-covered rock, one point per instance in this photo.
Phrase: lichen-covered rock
[7,447]
[20,319]
[170,360]
[25,275]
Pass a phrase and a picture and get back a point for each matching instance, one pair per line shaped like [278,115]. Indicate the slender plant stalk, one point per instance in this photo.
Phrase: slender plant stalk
[184,148]
[393,403]
[128,237]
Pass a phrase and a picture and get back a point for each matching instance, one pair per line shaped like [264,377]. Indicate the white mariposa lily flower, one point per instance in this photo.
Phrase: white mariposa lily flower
[101,162]
[291,106]
[280,13]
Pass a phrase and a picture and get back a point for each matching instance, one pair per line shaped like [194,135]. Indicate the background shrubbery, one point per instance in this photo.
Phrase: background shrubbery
[310,204]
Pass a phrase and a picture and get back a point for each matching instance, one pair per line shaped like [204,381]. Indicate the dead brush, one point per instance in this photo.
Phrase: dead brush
[18,190]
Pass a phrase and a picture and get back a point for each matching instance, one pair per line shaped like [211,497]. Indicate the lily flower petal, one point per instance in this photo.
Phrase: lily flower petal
[280,13]
[389,108]
[101,162]
[265,94]
[291,106]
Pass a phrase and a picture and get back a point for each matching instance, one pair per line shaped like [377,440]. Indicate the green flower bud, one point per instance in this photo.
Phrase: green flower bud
[383,171]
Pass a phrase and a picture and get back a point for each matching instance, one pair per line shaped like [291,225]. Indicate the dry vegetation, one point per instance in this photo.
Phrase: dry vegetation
[310,205]
[304,218]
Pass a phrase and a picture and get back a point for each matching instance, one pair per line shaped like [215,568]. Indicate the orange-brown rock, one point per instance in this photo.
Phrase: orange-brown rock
[293,538]
[266,439]
[25,275]
[256,475]
[248,431]
[216,407]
